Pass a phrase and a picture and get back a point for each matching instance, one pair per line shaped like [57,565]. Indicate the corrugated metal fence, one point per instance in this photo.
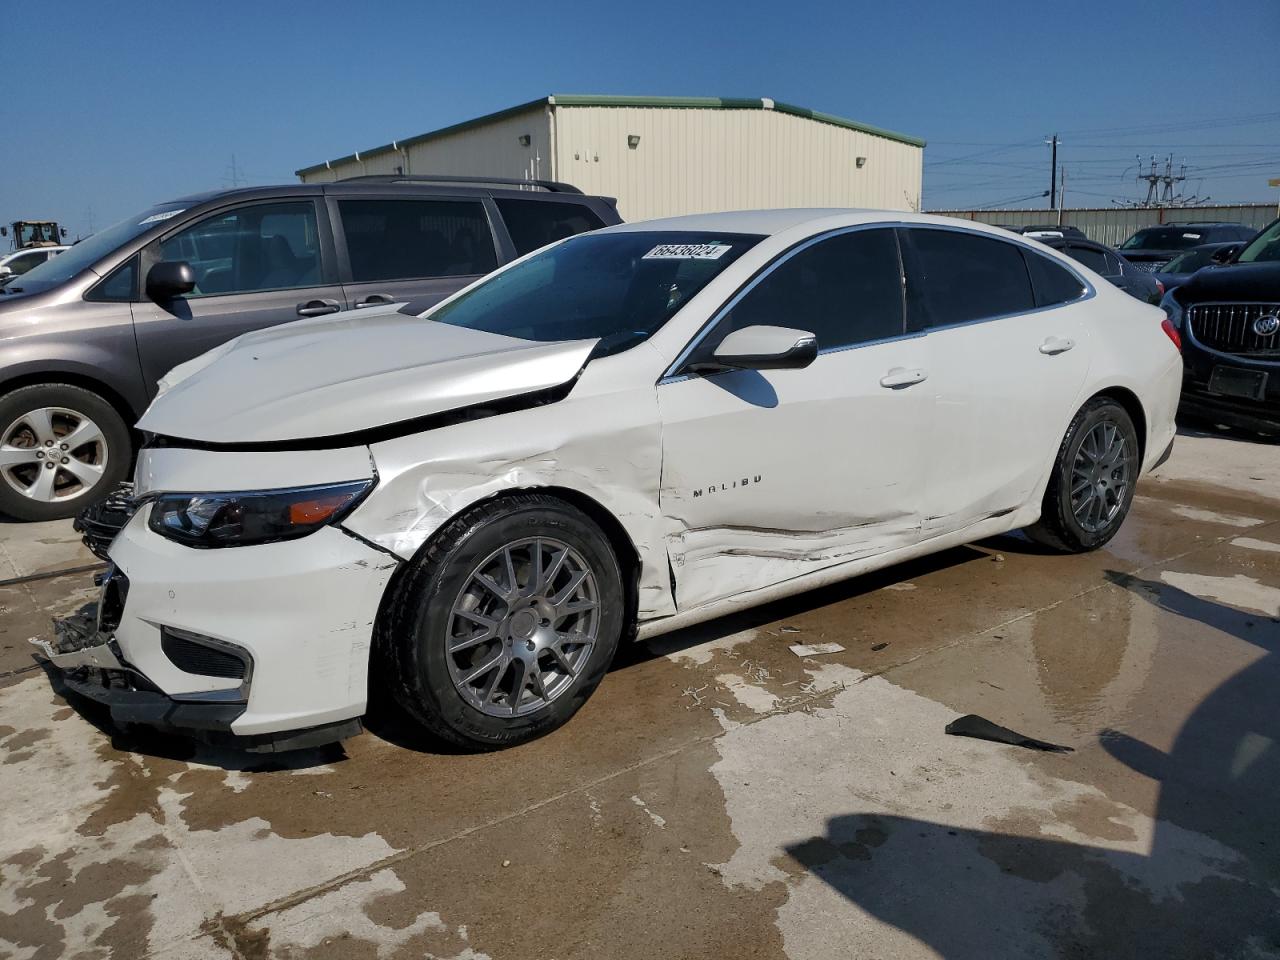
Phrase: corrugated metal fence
[1114,225]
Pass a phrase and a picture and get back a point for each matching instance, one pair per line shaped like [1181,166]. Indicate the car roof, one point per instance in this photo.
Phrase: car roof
[772,222]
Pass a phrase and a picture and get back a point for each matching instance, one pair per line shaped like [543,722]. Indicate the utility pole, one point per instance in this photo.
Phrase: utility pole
[1053,172]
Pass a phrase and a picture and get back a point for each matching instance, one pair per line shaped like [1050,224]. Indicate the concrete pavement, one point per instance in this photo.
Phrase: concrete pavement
[721,797]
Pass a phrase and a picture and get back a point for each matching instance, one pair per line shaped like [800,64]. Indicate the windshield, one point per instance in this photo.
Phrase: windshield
[1165,238]
[618,287]
[1265,247]
[1190,261]
[76,259]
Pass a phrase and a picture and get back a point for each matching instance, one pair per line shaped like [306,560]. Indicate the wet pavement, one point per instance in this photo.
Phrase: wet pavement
[720,796]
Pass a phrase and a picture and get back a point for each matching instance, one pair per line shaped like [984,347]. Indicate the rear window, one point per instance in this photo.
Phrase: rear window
[956,277]
[1052,282]
[536,223]
[619,288]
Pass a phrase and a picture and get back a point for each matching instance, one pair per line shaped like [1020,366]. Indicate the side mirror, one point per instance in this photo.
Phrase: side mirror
[763,348]
[1224,255]
[170,279]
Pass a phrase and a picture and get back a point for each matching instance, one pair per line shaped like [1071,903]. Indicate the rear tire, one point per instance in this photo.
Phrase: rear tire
[1092,485]
[526,584]
[61,448]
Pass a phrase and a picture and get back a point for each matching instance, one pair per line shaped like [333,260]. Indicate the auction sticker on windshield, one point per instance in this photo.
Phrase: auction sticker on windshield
[687,251]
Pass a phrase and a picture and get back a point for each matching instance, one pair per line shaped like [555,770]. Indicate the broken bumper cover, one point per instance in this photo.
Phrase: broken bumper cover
[266,643]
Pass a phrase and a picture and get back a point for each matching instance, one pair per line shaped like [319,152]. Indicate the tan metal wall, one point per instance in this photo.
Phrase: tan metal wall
[487,150]
[1114,225]
[694,161]
[689,160]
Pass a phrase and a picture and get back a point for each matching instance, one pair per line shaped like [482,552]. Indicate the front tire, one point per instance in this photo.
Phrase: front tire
[505,625]
[61,448]
[1092,486]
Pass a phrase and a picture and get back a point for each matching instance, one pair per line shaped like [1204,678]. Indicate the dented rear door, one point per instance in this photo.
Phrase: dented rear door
[769,475]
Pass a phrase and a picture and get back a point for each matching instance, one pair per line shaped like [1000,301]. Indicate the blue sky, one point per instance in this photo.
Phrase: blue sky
[109,107]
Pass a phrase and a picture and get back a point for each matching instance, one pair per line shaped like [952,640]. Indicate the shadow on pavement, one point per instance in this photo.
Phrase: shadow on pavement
[1209,887]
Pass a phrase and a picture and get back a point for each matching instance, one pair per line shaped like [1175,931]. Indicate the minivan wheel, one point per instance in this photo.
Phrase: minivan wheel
[1092,486]
[61,448]
[505,625]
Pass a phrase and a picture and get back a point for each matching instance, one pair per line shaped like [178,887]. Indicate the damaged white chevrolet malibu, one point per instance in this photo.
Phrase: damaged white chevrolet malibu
[627,432]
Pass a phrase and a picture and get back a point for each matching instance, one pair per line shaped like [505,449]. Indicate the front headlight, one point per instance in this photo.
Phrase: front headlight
[256,516]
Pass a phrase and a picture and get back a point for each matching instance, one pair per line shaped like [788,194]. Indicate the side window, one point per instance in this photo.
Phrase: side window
[1093,258]
[121,284]
[956,277]
[846,290]
[264,246]
[1053,283]
[535,223]
[416,239]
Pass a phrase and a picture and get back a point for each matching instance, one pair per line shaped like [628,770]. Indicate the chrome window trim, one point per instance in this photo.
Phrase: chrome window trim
[670,375]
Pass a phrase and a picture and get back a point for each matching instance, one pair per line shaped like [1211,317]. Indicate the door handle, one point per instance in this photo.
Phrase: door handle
[1056,345]
[373,300]
[318,308]
[902,377]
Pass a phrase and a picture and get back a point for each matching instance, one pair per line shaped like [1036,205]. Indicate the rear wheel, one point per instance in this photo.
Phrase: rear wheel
[1091,489]
[507,623]
[61,448]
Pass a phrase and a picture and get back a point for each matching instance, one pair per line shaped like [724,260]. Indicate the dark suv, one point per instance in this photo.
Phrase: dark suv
[1229,318]
[1152,247]
[85,336]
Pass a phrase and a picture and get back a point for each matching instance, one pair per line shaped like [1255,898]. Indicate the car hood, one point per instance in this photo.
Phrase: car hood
[333,376]
[1256,282]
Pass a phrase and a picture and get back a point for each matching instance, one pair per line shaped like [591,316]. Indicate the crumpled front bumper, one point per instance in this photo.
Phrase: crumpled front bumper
[94,667]
[297,614]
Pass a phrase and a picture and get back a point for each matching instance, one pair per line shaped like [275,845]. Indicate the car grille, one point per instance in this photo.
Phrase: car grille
[100,522]
[1228,327]
[1149,266]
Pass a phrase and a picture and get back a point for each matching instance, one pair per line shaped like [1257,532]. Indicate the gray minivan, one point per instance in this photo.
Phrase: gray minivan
[85,336]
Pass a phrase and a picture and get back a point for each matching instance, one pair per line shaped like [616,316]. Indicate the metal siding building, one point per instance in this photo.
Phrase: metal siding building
[693,154]
[1114,225]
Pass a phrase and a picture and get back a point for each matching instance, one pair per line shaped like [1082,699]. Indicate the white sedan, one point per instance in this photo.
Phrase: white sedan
[627,432]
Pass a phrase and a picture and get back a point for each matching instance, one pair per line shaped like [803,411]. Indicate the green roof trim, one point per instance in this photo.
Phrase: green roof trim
[848,124]
[591,100]
[691,103]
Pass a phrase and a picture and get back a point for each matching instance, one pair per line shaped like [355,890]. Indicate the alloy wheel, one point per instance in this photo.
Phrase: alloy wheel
[1100,476]
[523,626]
[52,454]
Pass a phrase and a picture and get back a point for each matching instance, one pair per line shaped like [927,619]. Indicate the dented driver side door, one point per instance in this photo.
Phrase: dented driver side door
[771,474]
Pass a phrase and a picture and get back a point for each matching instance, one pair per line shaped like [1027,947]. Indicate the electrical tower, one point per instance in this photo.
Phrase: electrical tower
[1160,186]
[235,174]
